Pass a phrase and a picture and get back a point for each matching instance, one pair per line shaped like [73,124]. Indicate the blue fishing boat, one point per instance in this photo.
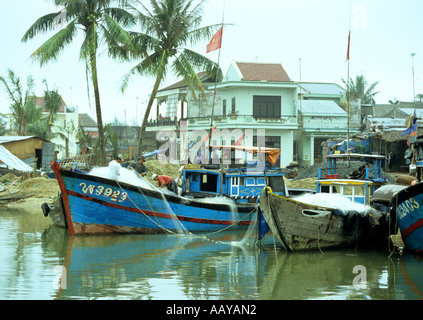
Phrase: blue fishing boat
[408,206]
[212,199]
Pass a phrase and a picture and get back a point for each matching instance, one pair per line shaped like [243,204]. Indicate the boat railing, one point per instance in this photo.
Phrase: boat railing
[358,191]
[376,171]
[80,162]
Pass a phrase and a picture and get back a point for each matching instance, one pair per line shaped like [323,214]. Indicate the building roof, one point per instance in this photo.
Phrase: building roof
[410,111]
[204,76]
[262,72]
[6,139]
[398,123]
[321,108]
[322,88]
[86,121]
[40,101]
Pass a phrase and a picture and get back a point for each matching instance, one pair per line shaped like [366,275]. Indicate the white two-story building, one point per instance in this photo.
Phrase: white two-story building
[262,102]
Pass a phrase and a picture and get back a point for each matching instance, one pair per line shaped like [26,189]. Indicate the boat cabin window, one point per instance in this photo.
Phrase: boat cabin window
[277,184]
[208,183]
[199,182]
[354,193]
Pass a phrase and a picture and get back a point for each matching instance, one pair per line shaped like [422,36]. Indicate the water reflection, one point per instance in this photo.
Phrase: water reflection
[156,267]
[173,267]
[44,262]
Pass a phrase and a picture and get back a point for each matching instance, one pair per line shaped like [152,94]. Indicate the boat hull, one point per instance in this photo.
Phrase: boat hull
[95,205]
[408,205]
[300,226]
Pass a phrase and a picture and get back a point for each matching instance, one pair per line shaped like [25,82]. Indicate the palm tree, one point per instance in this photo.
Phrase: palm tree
[358,90]
[52,102]
[98,20]
[23,108]
[84,138]
[166,30]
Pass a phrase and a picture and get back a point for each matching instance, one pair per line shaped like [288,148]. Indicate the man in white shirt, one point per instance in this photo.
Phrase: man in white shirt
[114,167]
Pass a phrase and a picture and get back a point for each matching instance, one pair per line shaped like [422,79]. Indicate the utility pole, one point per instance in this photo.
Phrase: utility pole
[412,70]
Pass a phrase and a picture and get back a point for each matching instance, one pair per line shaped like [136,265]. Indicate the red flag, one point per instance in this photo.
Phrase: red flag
[215,42]
[205,139]
[348,49]
[239,141]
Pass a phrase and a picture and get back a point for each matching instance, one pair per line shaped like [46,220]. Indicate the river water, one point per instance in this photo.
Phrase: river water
[42,262]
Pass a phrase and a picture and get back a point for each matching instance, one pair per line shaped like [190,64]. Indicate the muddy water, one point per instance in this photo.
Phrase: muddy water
[42,262]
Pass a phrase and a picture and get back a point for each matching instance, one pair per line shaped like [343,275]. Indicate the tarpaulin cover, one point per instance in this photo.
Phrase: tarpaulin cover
[12,161]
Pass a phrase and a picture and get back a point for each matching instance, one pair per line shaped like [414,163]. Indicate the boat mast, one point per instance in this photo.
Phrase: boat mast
[215,83]
[348,109]
[348,91]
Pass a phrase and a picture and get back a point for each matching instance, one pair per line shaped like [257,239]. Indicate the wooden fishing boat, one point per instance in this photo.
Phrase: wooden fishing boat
[95,204]
[311,225]
[302,226]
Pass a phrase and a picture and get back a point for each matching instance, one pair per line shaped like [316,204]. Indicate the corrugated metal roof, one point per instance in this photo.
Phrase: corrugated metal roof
[4,139]
[321,107]
[410,111]
[388,122]
[322,88]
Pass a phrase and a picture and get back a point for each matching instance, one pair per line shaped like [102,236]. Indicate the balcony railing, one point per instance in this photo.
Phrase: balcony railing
[165,121]
[239,119]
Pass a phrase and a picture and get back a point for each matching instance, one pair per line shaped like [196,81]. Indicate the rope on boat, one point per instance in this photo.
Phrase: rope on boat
[234,223]
[146,215]
[389,227]
[318,240]
[176,218]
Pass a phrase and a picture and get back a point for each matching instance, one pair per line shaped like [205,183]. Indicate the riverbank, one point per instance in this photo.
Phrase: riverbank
[26,192]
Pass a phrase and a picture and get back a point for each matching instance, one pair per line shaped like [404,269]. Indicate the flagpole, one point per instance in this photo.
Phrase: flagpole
[348,110]
[348,92]
[215,80]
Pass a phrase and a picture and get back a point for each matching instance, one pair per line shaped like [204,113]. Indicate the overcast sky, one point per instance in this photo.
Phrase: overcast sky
[384,33]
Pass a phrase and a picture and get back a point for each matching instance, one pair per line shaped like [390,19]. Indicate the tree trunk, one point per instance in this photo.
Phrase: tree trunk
[102,151]
[147,112]
[93,66]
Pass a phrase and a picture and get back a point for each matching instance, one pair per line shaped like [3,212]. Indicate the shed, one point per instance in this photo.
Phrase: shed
[30,149]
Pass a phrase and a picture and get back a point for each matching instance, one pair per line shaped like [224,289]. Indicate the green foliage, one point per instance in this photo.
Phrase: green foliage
[165,33]
[358,89]
[22,105]
[99,21]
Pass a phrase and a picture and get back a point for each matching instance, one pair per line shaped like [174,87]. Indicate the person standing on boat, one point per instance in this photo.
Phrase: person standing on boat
[139,166]
[114,167]
[167,181]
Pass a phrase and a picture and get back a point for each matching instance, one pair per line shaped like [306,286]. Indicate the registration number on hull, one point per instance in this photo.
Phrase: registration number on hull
[409,206]
[114,195]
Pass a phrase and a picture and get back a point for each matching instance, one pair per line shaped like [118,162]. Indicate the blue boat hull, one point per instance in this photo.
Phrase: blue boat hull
[98,205]
[409,213]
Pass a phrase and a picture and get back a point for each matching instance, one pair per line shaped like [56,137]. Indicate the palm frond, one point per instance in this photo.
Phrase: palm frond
[121,16]
[51,49]
[184,69]
[147,67]
[119,42]
[45,23]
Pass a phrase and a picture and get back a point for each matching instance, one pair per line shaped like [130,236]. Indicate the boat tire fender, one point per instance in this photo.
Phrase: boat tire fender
[46,209]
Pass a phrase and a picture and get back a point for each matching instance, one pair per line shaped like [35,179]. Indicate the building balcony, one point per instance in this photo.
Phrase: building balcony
[230,120]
